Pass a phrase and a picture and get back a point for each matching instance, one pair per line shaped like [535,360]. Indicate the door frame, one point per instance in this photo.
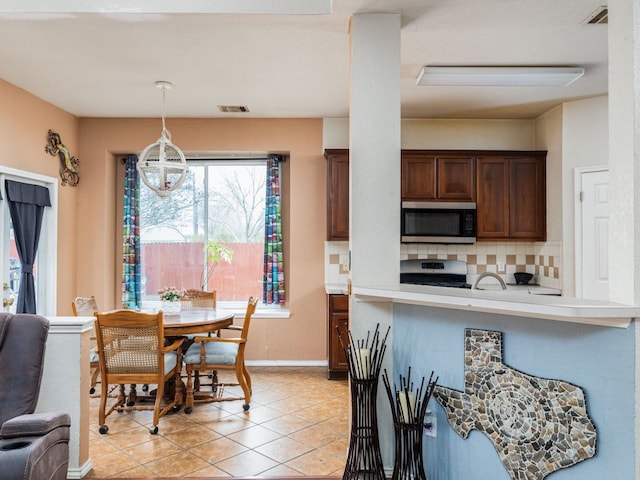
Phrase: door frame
[577,234]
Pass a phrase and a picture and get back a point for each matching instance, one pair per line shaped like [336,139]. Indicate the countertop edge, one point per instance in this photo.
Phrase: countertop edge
[566,309]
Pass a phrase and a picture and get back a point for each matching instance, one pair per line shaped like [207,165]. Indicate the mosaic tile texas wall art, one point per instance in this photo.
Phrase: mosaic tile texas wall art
[536,425]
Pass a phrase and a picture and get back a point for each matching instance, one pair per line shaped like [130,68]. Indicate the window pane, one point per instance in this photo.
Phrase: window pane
[219,203]
[15,269]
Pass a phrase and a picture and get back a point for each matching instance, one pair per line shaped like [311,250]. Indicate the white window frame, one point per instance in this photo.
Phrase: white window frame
[238,307]
[46,278]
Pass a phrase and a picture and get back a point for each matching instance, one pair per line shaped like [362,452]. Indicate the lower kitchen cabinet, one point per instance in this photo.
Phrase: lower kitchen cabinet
[338,319]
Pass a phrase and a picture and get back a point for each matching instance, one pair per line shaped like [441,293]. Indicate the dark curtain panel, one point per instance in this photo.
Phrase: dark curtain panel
[26,207]
[273,291]
[131,291]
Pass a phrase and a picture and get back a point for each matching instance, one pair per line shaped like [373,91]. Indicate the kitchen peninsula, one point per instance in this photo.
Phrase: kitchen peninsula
[509,302]
[545,336]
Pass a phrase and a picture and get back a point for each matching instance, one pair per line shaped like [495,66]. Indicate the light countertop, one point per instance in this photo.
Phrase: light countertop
[514,301]
[335,288]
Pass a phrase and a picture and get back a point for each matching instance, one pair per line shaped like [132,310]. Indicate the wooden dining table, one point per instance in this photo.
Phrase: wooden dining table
[197,320]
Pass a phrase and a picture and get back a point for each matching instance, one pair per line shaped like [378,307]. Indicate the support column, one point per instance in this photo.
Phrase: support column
[624,169]
[374,172]
[624,150]
[65,384]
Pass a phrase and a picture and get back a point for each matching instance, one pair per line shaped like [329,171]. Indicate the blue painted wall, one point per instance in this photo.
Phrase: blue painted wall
[598,359]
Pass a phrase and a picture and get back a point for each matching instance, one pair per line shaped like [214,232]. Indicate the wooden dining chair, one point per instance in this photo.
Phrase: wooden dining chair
[132,351]
[219,353]
[194,298]
[87,307]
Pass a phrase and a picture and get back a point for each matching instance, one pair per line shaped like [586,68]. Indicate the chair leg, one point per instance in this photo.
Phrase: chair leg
[103,404]
[133,395]
[178,398]
[242,380]
[156,408]
[247,377]
[94,378]
[189,400]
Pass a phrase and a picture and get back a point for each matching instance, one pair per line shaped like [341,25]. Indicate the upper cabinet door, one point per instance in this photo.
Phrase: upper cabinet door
[493,198]
[435,176]
[337,194]
[527,197]
[456,178]
[418,174]
[512,200]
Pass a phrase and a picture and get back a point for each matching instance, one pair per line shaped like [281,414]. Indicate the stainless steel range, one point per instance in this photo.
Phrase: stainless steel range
[439,273]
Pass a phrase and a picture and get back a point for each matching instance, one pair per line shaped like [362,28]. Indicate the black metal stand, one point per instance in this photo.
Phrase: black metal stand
[364,358]
[408,409]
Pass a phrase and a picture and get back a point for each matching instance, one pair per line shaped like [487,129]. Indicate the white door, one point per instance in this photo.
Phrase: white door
[594,261]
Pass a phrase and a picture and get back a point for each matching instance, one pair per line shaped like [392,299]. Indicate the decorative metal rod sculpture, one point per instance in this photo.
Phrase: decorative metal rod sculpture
[408,408]
[364,358]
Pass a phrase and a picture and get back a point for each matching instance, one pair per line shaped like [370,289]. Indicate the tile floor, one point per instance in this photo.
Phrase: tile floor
[298,425]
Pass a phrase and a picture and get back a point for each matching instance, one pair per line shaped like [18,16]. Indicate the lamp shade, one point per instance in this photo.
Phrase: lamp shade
[162,166]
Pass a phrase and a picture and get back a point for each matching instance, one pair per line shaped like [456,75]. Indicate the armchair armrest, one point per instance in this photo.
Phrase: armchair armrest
[218,339]
[175,345]
[237,328]
[34,424]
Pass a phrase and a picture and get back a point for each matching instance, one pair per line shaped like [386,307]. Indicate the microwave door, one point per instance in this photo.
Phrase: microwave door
[437,226]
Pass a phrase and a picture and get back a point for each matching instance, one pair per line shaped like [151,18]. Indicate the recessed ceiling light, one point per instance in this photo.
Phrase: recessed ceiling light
[500,76]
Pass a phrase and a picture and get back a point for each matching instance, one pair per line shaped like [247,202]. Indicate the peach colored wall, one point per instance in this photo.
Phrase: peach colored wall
[24,122]
[300,337]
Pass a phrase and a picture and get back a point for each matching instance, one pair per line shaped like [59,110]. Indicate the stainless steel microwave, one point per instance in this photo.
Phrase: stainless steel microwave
[438,222]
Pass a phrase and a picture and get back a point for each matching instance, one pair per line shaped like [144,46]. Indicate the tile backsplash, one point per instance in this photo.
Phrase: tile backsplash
[542,259]
[336,263]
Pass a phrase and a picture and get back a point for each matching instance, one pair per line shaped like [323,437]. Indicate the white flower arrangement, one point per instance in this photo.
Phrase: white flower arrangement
[171,294]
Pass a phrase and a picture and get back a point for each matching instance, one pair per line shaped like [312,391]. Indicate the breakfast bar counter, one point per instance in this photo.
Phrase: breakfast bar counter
[505,302]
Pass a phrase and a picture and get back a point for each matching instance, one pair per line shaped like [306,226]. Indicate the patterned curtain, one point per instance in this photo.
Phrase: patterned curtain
[273,286]
[131,295]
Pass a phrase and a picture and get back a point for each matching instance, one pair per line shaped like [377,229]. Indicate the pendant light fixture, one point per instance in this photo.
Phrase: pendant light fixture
[162,165]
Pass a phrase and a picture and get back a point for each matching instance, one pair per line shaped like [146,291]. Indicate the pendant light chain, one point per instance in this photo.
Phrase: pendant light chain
[165,133]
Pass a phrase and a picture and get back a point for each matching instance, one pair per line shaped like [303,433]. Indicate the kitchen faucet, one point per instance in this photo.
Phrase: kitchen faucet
[488,274]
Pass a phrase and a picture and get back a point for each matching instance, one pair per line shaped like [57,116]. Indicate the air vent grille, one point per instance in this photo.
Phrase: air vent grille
[233,108]
[600,16]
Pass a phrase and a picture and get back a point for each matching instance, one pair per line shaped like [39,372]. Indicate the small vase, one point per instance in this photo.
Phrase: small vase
[171,307]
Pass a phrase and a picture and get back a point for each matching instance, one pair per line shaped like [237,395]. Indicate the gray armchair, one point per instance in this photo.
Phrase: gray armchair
[32,446]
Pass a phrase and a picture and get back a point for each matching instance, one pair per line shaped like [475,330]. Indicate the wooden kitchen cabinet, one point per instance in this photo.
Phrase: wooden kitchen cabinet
[338,318]
[418,176]
[437,176]
[511,191]
[337,194]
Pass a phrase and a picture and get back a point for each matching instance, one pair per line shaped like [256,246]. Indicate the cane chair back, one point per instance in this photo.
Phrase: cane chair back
[194,299]
[84,306]
[132,351]
[87,307]
[216,353]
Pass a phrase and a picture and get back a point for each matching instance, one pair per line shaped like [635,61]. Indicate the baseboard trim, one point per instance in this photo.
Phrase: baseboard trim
[80,472]
[286,363]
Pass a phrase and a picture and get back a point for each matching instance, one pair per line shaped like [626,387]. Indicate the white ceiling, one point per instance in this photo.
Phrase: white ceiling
[105,64]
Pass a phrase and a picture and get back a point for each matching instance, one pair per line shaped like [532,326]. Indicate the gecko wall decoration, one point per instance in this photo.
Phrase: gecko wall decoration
[536,425]
[69,168]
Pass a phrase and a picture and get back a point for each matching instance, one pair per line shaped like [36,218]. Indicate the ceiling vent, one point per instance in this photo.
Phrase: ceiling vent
[233,108]
[600,16]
